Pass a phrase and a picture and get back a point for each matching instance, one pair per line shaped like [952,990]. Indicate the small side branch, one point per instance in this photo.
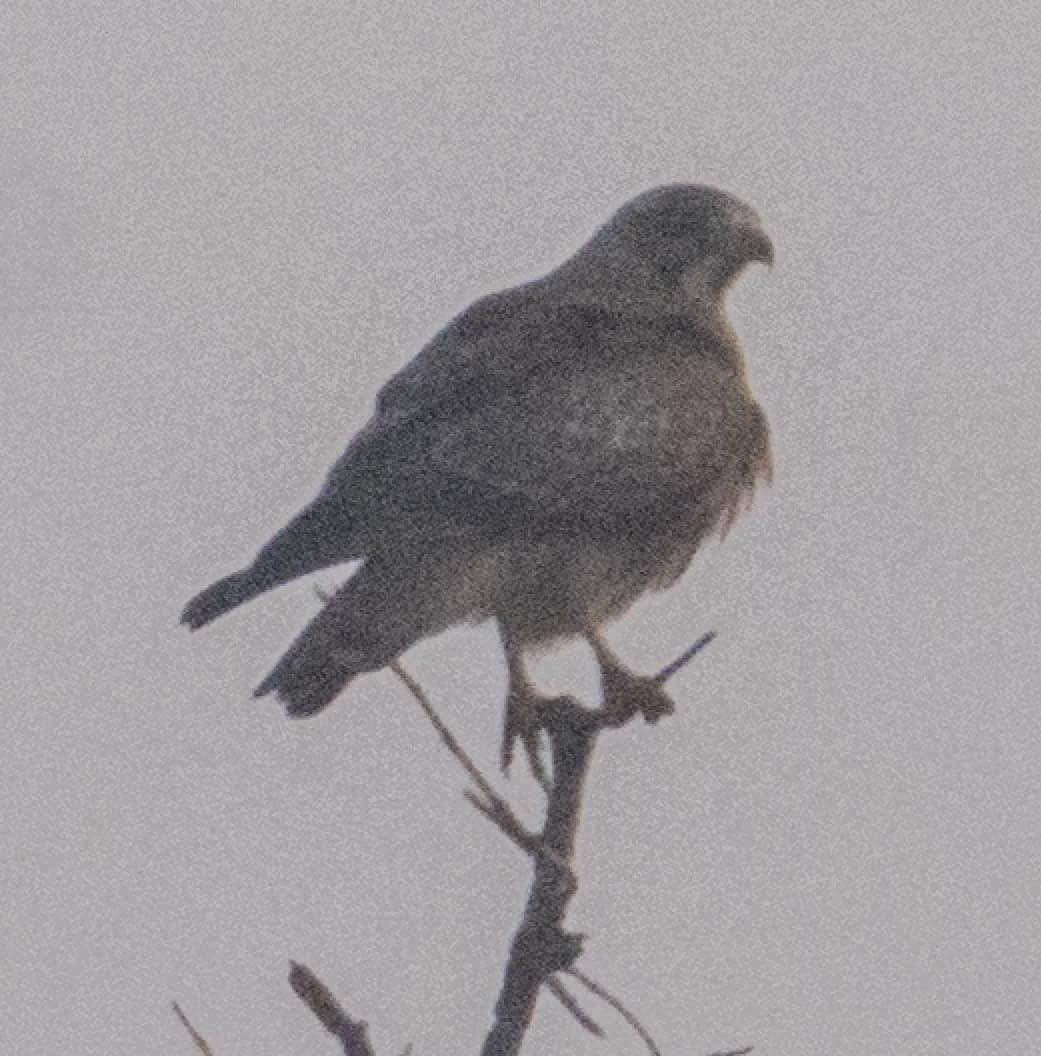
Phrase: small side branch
[200,1041]
[595,988]
[684,658]
[449,738]
[353,1035]
[567,999]
[489,802]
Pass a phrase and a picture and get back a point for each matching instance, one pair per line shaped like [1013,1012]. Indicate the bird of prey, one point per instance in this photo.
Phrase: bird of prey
[553,453]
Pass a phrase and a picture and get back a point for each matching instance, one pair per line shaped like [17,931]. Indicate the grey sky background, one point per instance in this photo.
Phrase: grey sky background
[222,227]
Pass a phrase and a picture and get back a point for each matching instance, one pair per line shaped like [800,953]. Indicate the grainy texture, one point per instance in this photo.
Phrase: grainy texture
[556,451]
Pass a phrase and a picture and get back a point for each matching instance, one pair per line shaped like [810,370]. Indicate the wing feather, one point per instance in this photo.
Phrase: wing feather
[517,416]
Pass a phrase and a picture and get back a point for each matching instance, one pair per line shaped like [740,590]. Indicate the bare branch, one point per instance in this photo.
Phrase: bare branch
[492,806]
[541,946]
[506,821]
[353,1035]
[567,999]
[683,659]
[200,1042]
[451,743]
[594,987]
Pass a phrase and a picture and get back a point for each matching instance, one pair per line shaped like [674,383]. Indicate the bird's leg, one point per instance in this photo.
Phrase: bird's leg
[624,691]
[524,708]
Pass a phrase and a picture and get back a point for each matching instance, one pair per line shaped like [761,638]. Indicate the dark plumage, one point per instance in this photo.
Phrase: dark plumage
[554,452]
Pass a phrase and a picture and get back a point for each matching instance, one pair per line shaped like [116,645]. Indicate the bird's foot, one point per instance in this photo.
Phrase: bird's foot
[524,722]
[626,693]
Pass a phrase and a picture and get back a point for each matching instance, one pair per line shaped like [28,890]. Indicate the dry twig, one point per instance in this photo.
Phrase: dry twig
[200,1042]
[353,1035]
[567,999]
[492,806]
[594,987]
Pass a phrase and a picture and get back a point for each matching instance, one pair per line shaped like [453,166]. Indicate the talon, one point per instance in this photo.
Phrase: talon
[533,749]
[625,692]
[525,713]
[523,723]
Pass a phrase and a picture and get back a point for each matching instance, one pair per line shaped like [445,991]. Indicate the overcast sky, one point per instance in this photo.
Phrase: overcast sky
[222,226]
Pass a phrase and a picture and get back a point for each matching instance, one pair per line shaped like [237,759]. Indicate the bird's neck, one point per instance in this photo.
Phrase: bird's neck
[607,276]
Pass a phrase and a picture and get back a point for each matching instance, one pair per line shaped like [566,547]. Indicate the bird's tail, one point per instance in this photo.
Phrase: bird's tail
[372,619]
[319,536]
[222,596]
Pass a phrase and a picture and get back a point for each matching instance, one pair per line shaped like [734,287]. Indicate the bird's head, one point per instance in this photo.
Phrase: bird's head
[697,236]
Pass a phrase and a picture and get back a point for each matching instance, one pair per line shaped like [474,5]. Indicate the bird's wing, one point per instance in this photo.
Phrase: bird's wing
[460,354]
[450,370]
[647,421]
[573,416]
[490,349]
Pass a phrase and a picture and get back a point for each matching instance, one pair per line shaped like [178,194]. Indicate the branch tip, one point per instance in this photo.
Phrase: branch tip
[684,658]
[568,1000]
[353,1035]
[595,988]
[197,1038]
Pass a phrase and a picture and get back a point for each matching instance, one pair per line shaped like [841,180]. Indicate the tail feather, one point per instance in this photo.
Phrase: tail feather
[306,692]
[307,680]
[349,636]
[222,596]
[317,537]
[372,619]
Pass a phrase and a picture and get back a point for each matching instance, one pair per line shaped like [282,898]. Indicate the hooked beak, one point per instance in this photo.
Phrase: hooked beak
[760,248]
